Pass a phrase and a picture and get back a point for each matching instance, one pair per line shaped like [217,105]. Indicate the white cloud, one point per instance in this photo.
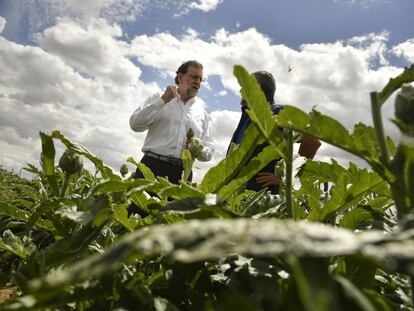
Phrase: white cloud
[222,93]
[40,14]
[2,23]
[205,5]
[363,3]
[406,50]
[41,91]
[93,49]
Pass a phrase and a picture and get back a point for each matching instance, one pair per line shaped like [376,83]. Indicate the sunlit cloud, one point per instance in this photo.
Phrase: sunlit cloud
[2,24]
[205,5]
[406,50]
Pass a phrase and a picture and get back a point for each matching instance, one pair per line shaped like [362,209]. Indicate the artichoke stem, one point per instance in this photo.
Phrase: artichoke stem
[289,170]
[65,184]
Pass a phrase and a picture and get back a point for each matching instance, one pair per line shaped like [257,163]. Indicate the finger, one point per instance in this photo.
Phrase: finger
[264,174]
[262,180]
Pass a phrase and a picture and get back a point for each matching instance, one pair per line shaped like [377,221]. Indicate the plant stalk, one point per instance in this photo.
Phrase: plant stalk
[412,289]
[289,182]
[379,129]
[65,185]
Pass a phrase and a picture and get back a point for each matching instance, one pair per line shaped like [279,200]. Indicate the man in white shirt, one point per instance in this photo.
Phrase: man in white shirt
[168,118]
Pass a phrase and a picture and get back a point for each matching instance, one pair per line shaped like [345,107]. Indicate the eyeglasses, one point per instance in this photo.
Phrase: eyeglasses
[196,78]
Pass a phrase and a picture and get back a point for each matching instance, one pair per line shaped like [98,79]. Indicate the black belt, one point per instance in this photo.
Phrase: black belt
[171,160]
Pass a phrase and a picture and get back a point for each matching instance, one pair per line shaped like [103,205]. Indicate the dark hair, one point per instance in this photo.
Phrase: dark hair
[184,68]
[267,84]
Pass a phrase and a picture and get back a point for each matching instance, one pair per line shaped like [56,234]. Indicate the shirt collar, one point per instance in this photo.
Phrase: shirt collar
[189,102]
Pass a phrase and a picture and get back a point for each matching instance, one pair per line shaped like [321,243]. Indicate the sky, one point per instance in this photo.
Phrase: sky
[83,66]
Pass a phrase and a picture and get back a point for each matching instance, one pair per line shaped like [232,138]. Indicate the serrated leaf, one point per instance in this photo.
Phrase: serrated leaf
[354,294]
[121,216]
[145,170]
[348,192]
[321,172]
[331,131]
[195,241]
[259,110]
[13,244]
[107,186]
[221,174]
[250,170]
[188,162]
[354,218]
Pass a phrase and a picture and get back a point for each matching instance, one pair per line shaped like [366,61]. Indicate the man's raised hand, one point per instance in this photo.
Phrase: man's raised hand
[169,93]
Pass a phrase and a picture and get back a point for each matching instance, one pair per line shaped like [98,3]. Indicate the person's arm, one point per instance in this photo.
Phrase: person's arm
[147,113]
[207,140]
[309,146]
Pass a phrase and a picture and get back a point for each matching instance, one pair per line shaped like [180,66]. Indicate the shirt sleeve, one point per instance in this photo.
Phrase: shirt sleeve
[207,140]
[146,113]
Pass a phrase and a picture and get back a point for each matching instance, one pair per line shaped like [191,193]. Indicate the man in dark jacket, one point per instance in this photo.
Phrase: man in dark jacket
[267,178]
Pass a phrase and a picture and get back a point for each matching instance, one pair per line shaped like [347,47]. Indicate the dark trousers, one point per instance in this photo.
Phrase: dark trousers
[160,168]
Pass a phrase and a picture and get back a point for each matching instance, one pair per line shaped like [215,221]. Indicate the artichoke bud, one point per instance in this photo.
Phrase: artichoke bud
[123,170]
[70,162]
[195,147]
[404,105]
[190,133]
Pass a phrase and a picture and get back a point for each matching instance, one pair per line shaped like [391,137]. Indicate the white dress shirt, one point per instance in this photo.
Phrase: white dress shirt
[167,125]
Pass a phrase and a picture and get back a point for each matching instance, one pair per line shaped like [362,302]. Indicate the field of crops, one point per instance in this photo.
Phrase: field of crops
[342,240]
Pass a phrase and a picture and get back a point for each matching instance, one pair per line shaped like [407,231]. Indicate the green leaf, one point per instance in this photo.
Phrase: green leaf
[107,186]
[224,172]
[13,244]
[10,210]
[188,162]
[354,218]
[331,131]
[196,209]
[379,300]
[145,170]
[250,170]
[212,239]
[72,213]
[314,284]
[348,192]
[48,161]
[70,248]
[354,294]
[121,216]
[359,271]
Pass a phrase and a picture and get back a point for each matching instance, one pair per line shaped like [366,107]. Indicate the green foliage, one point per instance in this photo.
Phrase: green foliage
[341,239]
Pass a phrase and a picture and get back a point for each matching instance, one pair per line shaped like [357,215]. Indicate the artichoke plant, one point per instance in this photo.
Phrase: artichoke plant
[195,147]
[190,134]
[123,170]
[404,109]
[71,163]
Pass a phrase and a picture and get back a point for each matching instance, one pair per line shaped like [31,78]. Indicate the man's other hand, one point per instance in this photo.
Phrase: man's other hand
[309,146]
[266,179]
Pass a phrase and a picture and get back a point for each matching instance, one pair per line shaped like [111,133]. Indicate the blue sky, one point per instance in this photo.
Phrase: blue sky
[83,66]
